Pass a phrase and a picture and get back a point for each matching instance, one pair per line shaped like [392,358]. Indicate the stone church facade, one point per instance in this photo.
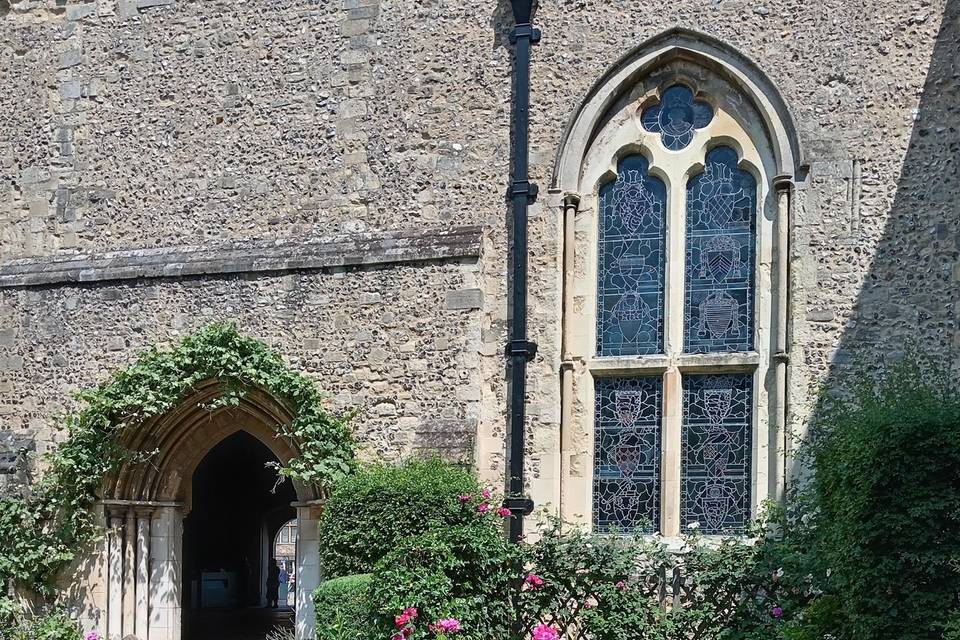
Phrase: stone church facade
[738,201]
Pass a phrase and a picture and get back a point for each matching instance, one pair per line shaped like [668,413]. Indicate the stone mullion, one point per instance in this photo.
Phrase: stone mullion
[670,469]
[673,348]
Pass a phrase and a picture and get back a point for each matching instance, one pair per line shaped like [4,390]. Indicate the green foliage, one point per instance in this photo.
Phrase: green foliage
[887,495]
[343,608]
[42,530]
[467,572]
[604,584]
[52,625]
[281,633]
[373,509]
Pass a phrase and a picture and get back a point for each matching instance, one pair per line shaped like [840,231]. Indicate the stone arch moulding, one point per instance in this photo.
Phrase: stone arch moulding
[178,440]
[146,500]
[671,45]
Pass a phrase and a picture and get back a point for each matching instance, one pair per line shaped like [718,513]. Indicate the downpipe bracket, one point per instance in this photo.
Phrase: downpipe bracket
[521,188]
[525,30]
[524,348]
[519,505]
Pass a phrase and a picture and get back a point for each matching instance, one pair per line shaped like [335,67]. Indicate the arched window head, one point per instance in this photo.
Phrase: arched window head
[631,247]
[672,159]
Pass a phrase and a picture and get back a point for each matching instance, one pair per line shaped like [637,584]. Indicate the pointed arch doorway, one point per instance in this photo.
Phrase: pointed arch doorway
[227,543]
[190,526]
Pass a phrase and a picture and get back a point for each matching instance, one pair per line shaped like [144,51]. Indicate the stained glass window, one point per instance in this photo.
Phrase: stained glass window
[676,117]
[715,450]
[630,262]
[721,235]
[626,479]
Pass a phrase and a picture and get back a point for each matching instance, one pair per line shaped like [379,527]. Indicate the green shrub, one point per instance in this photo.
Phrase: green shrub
[887,492]
[55,624]
[378,506]
[343,608]
[467,572]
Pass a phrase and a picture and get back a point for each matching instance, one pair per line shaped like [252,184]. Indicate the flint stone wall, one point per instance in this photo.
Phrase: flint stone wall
[144,124]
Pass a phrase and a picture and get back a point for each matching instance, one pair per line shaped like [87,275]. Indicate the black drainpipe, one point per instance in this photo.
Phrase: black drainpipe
[522,194]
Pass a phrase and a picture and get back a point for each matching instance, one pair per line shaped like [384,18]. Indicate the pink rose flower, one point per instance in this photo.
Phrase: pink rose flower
[398,636]
[503,512]
[486,494]
[483,507]
[92,635]
[545,632]
[534,581]
[406,617]
[622,585]
[447,625]
[588,605]
[777,612]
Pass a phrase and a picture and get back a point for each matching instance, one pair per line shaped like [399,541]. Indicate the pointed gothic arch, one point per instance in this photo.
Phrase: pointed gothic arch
[672,45]
[177,441]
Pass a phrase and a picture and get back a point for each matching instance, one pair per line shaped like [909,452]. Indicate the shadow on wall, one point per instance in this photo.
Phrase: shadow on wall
[911,294]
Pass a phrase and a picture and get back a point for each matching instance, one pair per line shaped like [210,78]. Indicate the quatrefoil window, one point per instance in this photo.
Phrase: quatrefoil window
[676,117]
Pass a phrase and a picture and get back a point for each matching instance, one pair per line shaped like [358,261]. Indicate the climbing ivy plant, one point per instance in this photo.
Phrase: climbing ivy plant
[41,530]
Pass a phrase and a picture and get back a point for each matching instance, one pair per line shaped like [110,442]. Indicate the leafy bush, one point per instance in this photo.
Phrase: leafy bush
[605,585]
[343,608]
[887,491]
[371,511]
[52,625]
[465,573]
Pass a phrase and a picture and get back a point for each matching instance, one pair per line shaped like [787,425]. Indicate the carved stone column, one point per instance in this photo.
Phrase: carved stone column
[142,624]
[780,440]
[114,576]
[129,571]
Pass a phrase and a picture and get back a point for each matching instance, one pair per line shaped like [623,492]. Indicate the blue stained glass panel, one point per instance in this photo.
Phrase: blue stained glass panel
[716,452]
[632,235]
[676,117]
[626,471]
[721,241]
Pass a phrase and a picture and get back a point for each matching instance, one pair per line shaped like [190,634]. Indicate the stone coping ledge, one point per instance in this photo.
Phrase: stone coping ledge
[356,249]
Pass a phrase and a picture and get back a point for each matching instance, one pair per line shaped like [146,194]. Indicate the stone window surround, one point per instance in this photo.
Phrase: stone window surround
[588,158]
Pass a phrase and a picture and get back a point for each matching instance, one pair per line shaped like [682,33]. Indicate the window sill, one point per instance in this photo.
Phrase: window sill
[686,362]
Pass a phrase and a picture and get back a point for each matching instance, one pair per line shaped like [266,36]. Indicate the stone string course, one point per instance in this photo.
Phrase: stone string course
[150,124]
[245,257]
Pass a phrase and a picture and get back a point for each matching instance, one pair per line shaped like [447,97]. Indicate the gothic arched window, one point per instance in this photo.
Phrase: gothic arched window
[670,389]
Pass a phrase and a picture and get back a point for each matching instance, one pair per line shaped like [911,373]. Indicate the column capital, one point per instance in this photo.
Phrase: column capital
[571,199]
[783,182]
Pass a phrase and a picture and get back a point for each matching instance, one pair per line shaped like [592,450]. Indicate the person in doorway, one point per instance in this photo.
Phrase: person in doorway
[284,584]
[273,584]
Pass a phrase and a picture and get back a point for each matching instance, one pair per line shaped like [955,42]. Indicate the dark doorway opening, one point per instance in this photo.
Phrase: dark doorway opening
[228,543]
